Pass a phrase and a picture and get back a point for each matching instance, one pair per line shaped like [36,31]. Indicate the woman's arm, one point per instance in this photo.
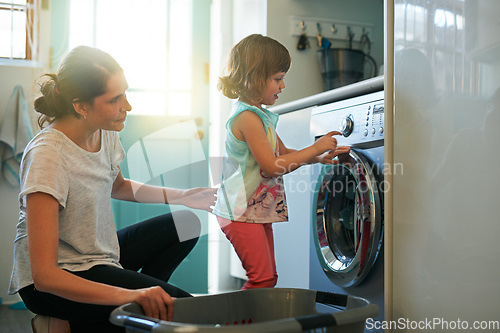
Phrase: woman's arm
[43,237]
[129,190]
[247,127]
[284,150]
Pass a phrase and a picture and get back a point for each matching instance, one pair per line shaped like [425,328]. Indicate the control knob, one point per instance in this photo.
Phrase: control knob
[347,125]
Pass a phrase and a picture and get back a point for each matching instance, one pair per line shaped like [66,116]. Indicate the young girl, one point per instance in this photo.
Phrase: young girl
[251,196]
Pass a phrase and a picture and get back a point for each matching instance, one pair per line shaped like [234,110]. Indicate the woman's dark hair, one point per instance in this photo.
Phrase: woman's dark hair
[251,62]
[82,76]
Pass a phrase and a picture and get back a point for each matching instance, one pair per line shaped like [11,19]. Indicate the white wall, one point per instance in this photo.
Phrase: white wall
[304,78]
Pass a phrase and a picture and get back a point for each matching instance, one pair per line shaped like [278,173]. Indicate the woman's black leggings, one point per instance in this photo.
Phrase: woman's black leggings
[151,246]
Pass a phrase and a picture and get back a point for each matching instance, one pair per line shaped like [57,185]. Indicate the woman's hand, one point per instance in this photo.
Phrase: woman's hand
[329,157]
[155,302]
[328,149]
[197,198]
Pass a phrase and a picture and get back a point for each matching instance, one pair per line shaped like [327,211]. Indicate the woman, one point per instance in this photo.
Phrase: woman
[71,266]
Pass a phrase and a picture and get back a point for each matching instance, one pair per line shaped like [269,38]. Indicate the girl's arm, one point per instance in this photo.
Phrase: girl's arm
[129,190]
[247,126]
[43,238]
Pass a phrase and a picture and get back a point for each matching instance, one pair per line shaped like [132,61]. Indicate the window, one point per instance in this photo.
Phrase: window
[18,29]
[152,41]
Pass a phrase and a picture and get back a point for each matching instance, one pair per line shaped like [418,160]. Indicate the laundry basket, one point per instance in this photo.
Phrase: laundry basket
[254,311]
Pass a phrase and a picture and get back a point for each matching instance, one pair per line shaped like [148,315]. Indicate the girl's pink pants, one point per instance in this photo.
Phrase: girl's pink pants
[254,245]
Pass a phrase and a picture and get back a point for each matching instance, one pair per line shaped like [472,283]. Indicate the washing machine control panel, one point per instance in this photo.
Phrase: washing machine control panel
[359,119]
[374,120]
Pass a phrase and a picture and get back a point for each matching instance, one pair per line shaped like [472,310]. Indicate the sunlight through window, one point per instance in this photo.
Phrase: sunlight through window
[18,33]
[151,39]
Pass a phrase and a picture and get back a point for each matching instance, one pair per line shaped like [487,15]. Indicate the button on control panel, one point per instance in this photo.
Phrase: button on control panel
[374,120]
[347,125]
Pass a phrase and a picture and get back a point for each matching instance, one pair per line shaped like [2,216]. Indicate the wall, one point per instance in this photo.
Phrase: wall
[11,74]
[304,78]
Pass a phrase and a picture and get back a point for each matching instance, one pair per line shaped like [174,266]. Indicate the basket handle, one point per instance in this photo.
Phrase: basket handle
[130,315]
[331,298]
[360,309]
[311,322]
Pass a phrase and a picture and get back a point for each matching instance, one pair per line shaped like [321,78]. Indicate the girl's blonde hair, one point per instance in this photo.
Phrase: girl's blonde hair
[250,64]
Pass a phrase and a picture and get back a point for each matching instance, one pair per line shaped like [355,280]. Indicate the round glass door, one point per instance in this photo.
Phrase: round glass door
[348,219]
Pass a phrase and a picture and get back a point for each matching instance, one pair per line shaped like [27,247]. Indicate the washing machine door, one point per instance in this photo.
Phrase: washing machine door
[348,218]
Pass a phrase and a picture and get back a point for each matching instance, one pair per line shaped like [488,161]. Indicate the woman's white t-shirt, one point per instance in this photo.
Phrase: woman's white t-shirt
[81,182]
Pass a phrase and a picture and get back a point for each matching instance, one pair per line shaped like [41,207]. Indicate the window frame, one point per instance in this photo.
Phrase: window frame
[31,8]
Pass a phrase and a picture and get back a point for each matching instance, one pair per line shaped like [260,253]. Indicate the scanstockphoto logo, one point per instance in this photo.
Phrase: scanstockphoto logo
[341,178]
[433,325]
[174,157]
[170,157]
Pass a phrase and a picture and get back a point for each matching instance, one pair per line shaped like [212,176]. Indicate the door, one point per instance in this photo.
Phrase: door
[347,218]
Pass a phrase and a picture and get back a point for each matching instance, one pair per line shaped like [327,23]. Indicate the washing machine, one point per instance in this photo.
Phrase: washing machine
[347,216]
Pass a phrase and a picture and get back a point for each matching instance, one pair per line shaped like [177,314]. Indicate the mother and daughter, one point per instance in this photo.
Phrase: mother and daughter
[71,266]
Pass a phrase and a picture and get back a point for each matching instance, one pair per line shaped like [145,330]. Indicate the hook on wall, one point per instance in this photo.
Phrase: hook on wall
[350,32]
[303,41]
[303,26]
[322,41]
[350,36]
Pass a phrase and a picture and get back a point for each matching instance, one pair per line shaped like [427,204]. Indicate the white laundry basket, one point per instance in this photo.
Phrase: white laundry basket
[254,311]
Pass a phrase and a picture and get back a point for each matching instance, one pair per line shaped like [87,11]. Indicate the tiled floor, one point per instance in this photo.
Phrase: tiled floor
[15,321]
